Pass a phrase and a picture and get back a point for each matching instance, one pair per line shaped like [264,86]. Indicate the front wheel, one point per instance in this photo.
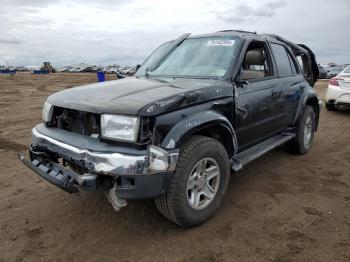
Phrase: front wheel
[305,132]
[198,184]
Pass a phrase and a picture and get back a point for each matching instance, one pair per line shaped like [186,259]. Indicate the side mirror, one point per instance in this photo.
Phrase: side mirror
[242,83]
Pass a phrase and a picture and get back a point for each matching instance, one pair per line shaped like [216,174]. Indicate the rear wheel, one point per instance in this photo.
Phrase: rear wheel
[305,132]
[198,184]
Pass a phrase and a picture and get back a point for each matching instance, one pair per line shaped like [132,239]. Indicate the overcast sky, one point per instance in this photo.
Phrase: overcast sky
[125,32]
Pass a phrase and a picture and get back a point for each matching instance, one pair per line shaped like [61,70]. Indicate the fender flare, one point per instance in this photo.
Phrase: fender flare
[190,125]
[302,105]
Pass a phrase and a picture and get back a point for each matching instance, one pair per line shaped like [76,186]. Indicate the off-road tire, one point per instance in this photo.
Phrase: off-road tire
[330,107]
[297,144]
[174,204]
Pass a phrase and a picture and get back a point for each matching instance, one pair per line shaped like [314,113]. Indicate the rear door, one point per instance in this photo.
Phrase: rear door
[292,82]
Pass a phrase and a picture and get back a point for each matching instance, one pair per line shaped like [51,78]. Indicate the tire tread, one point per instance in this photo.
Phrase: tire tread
[167,203]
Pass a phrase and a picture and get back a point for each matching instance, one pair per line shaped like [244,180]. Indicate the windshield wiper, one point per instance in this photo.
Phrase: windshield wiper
[183,76]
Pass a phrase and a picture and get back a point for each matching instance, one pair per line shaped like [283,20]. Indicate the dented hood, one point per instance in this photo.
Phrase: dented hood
[133,96]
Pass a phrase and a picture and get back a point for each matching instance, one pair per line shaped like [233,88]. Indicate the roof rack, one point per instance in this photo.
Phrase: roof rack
[239,31]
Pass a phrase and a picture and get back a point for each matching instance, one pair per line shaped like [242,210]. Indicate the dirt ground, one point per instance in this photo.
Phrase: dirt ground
[281,207]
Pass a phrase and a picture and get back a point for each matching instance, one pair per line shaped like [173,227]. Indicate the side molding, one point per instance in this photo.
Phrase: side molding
[194,123]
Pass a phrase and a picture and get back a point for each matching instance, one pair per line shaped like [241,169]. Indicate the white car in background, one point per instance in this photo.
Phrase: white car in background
[338,92]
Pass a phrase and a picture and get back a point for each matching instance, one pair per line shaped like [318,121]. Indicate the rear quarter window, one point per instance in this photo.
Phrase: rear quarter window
[282,59]
[293,64]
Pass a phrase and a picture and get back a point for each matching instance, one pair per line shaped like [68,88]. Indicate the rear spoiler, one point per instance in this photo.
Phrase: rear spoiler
[310,69]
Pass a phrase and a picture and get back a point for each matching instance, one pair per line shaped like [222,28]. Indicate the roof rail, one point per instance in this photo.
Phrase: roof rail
[239,31]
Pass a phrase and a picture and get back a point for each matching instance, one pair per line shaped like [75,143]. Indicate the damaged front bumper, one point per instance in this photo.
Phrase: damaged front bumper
[139,173]
[61,177]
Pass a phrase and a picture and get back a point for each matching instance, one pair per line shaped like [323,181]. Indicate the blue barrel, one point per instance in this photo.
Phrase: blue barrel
[41,71]
[8,71]
[101,76]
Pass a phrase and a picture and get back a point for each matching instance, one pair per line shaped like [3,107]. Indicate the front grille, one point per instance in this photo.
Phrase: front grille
[76,121]
[88,124]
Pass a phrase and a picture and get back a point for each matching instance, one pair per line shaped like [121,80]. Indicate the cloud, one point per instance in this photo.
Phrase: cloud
[23,3]
[9,41]
[122,31]
[243,12]
[275,4]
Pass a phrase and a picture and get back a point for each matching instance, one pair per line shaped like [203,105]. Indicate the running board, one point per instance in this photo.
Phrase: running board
[253,153]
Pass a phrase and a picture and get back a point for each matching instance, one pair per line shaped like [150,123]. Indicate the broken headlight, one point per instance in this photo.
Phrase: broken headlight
[47,112]
[117,127]
[158,159]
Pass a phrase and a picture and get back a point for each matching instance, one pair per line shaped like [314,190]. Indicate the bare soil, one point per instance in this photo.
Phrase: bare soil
[282,207]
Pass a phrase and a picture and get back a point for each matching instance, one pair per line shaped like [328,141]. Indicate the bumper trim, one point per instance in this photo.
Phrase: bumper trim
[60,177]
[101,162]
[64,179]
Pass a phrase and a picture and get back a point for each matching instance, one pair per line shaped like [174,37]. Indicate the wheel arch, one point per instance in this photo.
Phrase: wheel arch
[209,123]
[312,101]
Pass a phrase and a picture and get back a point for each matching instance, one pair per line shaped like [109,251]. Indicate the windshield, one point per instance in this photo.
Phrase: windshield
[347,70]
[153,57]
[199,57]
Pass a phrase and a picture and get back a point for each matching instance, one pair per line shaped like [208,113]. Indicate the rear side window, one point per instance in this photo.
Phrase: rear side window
[303,62]
[282,60]
[292,64]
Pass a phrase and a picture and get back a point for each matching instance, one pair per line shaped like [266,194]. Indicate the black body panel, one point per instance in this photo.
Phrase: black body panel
[142,186]
[259,112]
[241,114]
[249,117]
[136,96]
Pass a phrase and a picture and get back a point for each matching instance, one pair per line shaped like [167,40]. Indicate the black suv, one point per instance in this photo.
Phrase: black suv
[196,109]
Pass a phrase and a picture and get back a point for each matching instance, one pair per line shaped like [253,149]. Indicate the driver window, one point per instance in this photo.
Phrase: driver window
[256,62]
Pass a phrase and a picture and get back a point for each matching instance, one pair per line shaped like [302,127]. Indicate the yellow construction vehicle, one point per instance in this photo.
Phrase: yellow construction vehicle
[47,66]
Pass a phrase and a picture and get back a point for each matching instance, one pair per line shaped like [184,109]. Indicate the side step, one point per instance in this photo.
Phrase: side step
[253,153]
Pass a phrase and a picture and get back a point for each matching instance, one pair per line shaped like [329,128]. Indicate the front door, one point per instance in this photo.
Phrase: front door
[260,111]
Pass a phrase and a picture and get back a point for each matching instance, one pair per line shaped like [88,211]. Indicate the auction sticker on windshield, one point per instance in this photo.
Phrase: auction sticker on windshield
[221,42]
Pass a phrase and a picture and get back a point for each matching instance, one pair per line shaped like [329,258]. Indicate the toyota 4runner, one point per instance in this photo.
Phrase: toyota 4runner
[198,108]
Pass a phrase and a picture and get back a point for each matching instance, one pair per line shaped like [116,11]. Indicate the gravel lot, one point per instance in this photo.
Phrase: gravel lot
[281,207]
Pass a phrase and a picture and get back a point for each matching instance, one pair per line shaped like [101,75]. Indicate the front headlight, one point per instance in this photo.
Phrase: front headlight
[124,128]
[47,112]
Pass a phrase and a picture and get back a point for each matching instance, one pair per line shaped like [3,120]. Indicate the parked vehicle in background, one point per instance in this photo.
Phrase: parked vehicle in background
[322,72]
[197,109]
[338,92]
[91,69]
[65,69]
[333,71]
